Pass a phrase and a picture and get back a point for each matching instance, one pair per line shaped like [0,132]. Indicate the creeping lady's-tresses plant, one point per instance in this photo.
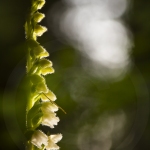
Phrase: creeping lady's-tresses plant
[41,107]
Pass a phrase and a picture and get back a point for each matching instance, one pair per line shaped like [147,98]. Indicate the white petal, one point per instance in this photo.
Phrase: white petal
[48,107]
[39,138]
[51,145]
[50,119]
[56,137]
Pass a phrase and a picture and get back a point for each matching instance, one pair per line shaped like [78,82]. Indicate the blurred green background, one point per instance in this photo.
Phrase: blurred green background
[101,114]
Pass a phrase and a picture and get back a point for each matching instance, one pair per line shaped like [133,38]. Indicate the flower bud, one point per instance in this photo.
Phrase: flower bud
[38,17]
[39,30]
[32,43]
[40,52]
[48,70]
[40,3]
[41,87]
[44,63]
[37,50]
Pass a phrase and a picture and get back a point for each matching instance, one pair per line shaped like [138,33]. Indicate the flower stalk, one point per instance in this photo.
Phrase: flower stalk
[41,109]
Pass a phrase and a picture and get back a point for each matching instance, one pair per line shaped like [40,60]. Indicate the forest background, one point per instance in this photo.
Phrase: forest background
[102,113]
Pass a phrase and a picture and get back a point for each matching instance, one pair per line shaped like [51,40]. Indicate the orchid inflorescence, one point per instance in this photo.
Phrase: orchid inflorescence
[41,107]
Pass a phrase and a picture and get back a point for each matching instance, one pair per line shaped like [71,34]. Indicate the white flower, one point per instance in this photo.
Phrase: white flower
[49,119]
[52,140]
[39,138]
[56,137]
[48,107]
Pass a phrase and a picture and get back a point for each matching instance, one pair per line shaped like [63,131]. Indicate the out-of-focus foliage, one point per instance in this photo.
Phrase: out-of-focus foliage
[101,114]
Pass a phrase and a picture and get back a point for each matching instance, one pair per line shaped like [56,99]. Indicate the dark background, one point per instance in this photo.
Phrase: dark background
[93,98]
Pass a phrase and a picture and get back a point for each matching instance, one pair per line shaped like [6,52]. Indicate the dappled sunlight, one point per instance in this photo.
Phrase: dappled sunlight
[101,78]
[97,30]
[104,134]
[100,8]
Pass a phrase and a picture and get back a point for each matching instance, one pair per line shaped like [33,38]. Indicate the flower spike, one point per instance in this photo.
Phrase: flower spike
[41,109]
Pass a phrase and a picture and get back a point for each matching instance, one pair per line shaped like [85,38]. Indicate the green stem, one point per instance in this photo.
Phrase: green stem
[30,146]
[28,61]
[30,104]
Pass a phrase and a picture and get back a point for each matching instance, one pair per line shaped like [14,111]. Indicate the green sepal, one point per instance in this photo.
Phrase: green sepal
[32,43]
[41,87]
[35,79]
[33,69]
[36,121]
[34,110]
[36,148]
[43,63]
[39,52]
